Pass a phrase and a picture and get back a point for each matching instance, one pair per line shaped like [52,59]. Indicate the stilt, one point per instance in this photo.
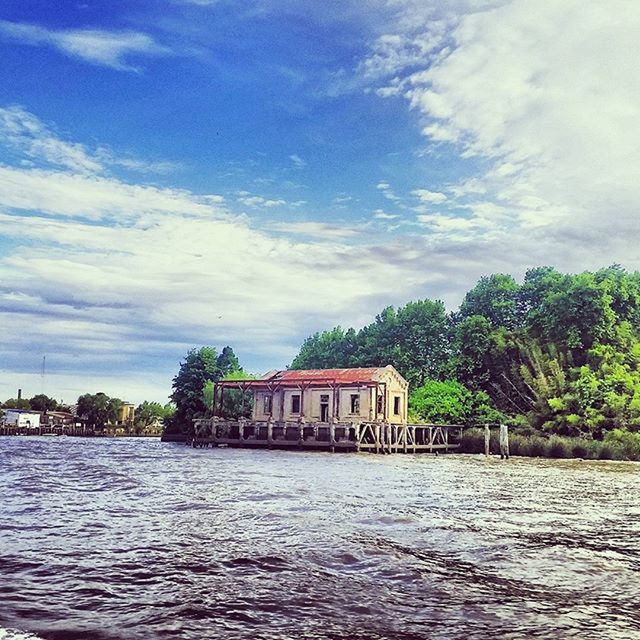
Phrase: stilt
[487,439]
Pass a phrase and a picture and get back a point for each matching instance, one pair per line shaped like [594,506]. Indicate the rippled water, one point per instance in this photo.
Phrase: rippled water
[132,538]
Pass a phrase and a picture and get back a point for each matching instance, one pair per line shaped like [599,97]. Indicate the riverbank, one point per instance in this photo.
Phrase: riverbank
[617,445]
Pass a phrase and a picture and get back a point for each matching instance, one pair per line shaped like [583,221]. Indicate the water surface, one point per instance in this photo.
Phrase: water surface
[132,538]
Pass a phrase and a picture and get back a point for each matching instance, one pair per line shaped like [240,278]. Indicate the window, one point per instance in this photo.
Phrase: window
[295,403]
[355,403]
[268,404]
[396,405]
[379,405]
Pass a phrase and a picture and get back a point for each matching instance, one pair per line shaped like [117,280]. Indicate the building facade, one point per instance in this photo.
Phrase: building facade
[376,394]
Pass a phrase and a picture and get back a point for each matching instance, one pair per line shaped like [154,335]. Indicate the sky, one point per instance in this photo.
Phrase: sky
[179,173]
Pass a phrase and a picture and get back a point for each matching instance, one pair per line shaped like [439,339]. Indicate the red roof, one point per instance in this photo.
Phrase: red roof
[311,377]
[371,374]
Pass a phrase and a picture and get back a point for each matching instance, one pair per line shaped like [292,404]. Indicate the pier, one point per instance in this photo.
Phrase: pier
[373,437]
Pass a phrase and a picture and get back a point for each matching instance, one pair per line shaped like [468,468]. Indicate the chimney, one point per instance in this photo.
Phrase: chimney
[19,394]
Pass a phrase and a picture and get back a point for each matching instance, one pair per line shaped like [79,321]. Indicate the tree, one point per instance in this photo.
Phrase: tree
[98,410]
[17,403]
[199,368]
[228,362]
[41,402]
[332,349]
[149,413]
[449,402]
[496,297]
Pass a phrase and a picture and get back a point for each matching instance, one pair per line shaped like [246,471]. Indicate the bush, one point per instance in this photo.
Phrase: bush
[472,441]
[534,446]
[625,443]
[557,448]
[579,450]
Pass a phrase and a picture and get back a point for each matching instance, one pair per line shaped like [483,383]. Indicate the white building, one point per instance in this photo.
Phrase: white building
[22,418]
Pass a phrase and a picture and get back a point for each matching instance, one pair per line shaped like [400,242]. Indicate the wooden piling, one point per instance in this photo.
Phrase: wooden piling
[487,439]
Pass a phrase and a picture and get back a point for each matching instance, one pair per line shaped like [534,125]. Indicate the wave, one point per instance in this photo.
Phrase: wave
[14,634]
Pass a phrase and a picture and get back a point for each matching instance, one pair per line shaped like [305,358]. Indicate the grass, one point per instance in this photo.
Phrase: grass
[617,445]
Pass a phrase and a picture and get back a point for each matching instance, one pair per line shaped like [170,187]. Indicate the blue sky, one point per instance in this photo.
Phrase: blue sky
[187,172]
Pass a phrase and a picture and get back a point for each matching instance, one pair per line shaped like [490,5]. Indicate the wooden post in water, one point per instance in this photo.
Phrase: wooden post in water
[504,442]
[487,439]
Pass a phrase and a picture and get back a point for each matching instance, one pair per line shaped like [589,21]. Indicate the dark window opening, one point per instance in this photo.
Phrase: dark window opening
[355,403]
[295,404]
[379,406]
[268,404]
[396,405]
[324,408]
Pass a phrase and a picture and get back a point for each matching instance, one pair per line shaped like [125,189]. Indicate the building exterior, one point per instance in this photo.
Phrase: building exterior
[376,394]
[126,413]
[21,418]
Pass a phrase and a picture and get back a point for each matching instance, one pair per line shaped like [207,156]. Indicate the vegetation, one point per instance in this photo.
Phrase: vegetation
[557,356]
[149,415]
[98,410]
[193,386]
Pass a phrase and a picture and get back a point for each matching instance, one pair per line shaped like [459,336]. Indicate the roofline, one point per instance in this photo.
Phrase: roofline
[296,384]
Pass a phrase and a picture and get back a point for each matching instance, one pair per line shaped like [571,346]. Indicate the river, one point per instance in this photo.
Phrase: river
[135,539]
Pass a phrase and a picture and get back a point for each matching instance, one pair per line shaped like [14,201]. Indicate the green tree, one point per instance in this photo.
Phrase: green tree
[235,402]
[98,410]
[449,402]
[332,349]
[149,413]
[199,368]
[496,297]
[17,403]
[41,402]
[228,362]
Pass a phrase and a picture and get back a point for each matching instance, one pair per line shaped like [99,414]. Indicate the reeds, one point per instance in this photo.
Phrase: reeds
[617,445]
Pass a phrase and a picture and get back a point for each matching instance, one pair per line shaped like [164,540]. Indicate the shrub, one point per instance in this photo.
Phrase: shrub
[534,446]
[557,448]
[472,441]
[579,450]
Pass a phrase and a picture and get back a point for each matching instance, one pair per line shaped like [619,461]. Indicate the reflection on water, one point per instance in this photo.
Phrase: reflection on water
[126,538]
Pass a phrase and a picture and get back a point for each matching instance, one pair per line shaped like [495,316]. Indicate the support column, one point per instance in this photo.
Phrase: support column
[487,439]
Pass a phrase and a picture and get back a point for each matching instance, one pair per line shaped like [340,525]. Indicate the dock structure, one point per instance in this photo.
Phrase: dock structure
[359,409]
[373,437]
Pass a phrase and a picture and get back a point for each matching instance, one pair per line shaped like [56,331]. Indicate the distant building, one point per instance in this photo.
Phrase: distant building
[376,394]
[22,418]
[63,419]
[126,413]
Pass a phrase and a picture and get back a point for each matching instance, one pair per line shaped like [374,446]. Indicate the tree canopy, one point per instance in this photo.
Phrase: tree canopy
[200,368]
[559,351]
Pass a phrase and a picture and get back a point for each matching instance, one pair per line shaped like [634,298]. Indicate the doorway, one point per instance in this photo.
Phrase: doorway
[324,408]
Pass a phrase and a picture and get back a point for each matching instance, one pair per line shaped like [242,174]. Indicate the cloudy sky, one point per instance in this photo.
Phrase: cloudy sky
[177,173]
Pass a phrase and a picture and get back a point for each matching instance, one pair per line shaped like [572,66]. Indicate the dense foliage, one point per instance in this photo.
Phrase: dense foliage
[193,385]
[559,352]
[98,410]
[39,402]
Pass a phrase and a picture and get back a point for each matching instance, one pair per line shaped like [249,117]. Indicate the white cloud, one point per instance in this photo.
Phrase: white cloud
[547,95]
[316,230]
[379,214]
[24,132]
[258,201]
[298,162]
[431,197]
[387,191]
[96,46]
